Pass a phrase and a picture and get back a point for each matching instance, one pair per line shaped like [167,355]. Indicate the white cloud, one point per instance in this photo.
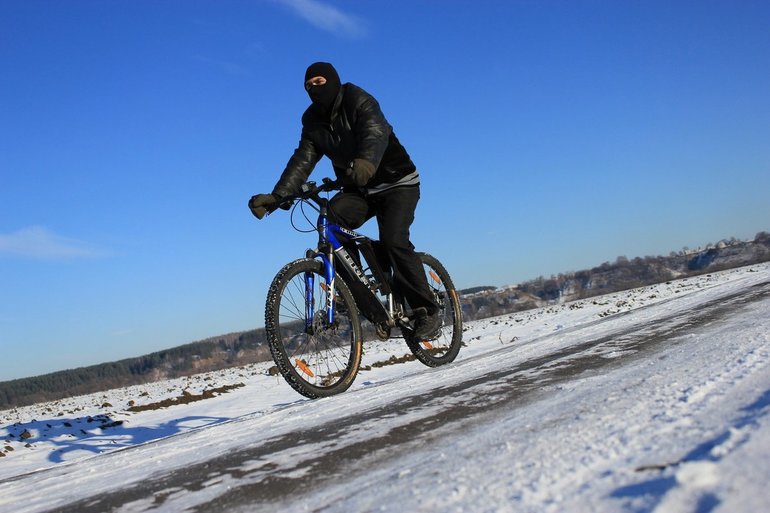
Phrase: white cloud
[39,242]
[326,17]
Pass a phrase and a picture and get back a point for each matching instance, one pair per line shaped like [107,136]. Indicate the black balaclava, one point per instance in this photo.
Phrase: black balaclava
[323,95]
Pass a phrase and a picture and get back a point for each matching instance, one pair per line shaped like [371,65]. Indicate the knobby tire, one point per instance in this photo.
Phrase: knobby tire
[322,360]
[446,346]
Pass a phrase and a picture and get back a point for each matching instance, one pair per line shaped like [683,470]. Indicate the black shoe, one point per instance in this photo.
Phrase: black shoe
[428,327]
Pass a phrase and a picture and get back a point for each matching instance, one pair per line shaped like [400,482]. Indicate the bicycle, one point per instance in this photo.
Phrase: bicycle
[315,305]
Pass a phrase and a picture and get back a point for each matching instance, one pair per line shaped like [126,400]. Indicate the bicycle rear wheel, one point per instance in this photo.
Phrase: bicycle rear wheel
[316,357]
[446,346]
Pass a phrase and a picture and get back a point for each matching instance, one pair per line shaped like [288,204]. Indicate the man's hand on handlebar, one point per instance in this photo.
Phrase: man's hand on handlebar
[262,204]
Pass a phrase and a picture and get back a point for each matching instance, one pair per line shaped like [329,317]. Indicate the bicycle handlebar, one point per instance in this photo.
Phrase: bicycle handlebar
[310,190]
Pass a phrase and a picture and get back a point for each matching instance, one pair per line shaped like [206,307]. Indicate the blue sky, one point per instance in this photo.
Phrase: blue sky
[551,136]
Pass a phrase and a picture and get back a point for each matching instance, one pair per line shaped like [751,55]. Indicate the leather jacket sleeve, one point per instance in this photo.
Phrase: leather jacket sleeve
[372,131]
[298,169]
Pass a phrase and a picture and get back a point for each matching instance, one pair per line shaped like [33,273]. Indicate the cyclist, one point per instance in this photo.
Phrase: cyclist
[345,124]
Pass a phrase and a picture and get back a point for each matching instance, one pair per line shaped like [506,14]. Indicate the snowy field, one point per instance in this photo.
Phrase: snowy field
[654,399]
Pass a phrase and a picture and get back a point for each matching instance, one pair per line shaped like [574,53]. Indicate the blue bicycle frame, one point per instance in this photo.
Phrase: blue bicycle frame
[329,244]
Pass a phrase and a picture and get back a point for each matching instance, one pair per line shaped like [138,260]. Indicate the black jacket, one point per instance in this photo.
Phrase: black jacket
[357,130]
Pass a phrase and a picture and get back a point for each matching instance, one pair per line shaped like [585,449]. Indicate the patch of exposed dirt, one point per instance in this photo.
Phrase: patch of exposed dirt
[185,398]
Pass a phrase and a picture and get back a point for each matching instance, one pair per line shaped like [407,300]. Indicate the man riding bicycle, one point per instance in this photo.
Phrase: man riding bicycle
[345,124]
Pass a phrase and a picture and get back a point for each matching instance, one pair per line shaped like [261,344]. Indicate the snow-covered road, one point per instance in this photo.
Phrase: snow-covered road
[653,399]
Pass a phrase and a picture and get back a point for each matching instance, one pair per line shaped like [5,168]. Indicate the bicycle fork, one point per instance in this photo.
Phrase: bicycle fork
[328,286]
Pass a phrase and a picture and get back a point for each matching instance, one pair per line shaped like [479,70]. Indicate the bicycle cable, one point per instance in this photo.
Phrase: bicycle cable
[294,225]
[301,204]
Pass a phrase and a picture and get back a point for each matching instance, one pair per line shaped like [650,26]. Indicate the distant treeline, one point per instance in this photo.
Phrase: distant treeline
[237,349]
[623,274]
[211,354]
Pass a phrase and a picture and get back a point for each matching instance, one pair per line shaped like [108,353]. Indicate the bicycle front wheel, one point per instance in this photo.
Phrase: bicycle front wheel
[317,356]
[446,346]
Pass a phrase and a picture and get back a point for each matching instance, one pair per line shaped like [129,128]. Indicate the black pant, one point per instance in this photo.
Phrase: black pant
[394,210]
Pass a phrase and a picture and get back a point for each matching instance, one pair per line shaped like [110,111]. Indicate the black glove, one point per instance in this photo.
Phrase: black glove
[361,171]
[261,204]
